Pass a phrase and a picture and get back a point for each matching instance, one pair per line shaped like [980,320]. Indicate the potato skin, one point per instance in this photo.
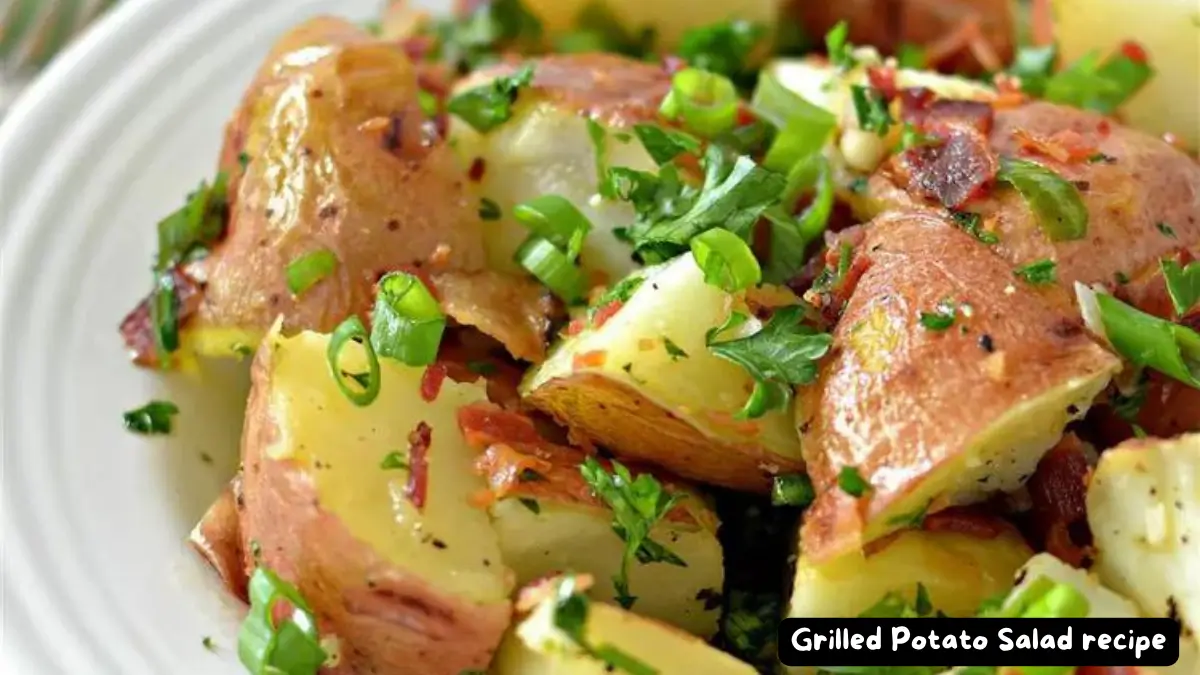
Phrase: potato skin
[905,405]
[386,620]
[339,159]
[514,310]
[217,538]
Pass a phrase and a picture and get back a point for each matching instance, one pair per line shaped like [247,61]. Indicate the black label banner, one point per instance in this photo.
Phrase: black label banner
[978,642]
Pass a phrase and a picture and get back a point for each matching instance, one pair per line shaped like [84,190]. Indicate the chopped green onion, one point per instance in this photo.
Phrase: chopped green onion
[200,222]
[1101,86]
[1038,272]
[1149,341]
[1166,230]
[912,137]
[791,235]
[722,47]
[489,209]
[571,609]
[664,145]
[490,105]
[352,330]
[428,103]
[804,127]
[851,482]
[726,260]
[1034,66]
[1061,602]
[306,270]
[1183,284]
[152,418]
[837,46]
[290,648]
[393,460]
[164,316]
[792,489]
[911,56]
[555,269]
[1053,199]
[599,138]
[871,109]
[706,102]
[408,322]
[941,318]
[972,224]
[556,219]
[673,350]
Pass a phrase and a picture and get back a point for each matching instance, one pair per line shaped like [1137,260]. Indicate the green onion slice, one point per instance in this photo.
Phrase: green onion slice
[555,218]
[792,489]
[305,271]
[352,330]
[290,648]
[726,260]
[871,109]
[1183,284]
[1054,200]
[1149,341]
[555,269]
[164,315]
[804,127]
[408,322]
[706,102]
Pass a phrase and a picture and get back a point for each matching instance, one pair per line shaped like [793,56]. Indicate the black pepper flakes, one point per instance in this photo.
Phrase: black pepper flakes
[986,343]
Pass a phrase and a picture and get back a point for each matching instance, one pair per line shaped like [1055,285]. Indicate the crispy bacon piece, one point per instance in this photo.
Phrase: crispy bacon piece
[965,520]
[137,328]
[1067,146]
[883,79]
[954,171]
[484,424]
[431,381]
[417,487]
[920,109]
[1058,490]
[605,313]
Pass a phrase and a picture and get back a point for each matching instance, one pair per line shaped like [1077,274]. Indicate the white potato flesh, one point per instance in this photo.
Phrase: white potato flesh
[546,150]
[959,571]
[577,538]
[669,19]
[1169,31]
[342,445]
[675,303]
[1102,602]
[537,647]
[1144,511]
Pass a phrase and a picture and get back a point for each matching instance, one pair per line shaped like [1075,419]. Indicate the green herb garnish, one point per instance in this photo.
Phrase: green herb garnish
[152,418]
[1053,199]
[490,105]
[307,270]
[1038,272]
[851,482]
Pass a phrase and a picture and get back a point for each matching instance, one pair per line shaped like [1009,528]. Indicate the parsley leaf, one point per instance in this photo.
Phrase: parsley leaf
[1034,65]
[792,489]
[783,353]
[637,506]
[475,39]
[488,106]
[675,351]
[663,144]
[1102,86]
[570,616]
[722,47]
[871,109]
[489,209]
[152,418]
[841,52]
[1183,284]
[851,482]
[599,137]
[622,291]
[1149,341]
[599,30]
[393,460]
[941,318]
[1038,272]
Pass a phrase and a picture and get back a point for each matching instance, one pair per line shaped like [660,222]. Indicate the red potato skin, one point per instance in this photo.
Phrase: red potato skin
[386,620]
[897,407]
[217,538]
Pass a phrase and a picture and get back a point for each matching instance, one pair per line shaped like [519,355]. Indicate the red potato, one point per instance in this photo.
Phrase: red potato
[930,418]
[403,573]
[217,538]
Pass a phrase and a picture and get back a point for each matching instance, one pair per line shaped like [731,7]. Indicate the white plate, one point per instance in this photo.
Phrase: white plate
[97,579]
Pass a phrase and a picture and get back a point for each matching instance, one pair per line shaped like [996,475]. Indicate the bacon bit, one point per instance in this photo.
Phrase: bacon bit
[883,79]
[914,101]
[1058,490]
[431,382]
[592,359]
[577,326]
[647,344]
[928,116]
[1066,145]
[478,167]
[672,64]
[1008,92]
[502,465]
[1134,52]
[605,313]
[417,486]
[964,520]
[954,171]
[1104,127]
[137,328]
[745,116]
[484,424]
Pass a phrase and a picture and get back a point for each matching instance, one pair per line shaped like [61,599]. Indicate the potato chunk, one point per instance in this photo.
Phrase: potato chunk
[546,149]
[645,385]
[959,569]
[932,413]
[401,569]
[1144,512]
[537,646]
[550,520]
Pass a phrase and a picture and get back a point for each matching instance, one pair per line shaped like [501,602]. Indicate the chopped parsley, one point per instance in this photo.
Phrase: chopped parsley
[475,39]
[599,30]
[484,368]
[394,460]
[599,138]
[941,318]
[751,624]
[1128,406]
[663,144]
[1166,230]
[152,418]
[972,224]
[530,504]
[871,109]
[1038,273]
[722,47]
[489,209]
[785,352]
[911,56]
[913,519]
[838,47]
[792,489]
[488,106]
[570,616]
[243,160]
[1102,86]
[1034,65]
[851,482]
[637,506]
[1183,284]
[675,351]
[912,137]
